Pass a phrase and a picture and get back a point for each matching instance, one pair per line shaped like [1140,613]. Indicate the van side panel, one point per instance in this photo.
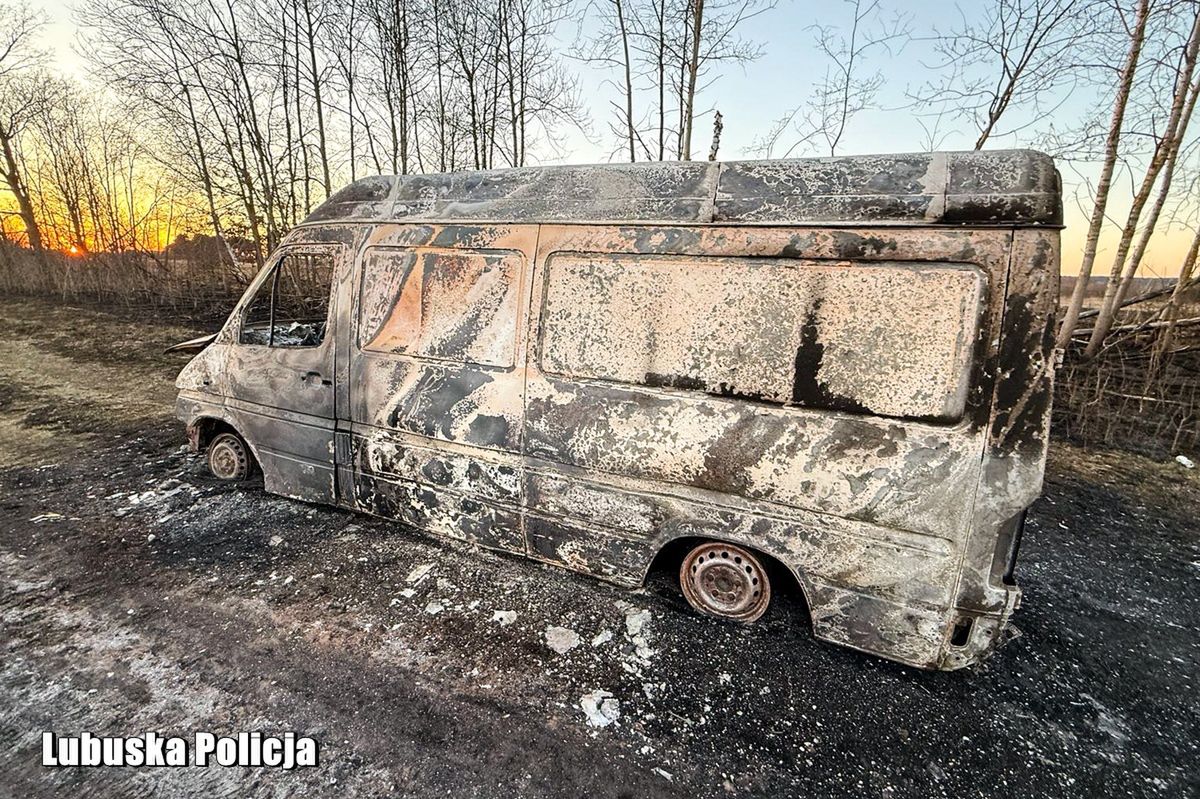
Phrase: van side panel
[871,513]
[437,378]
[896,473]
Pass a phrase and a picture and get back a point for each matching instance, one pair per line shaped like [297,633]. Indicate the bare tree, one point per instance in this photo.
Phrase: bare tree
[711,38]
[849,86]
[392,57]
[1134,39]
[1012,55]
[608,45]
[315,18]
[92,186]
[349,23]
[1185,281]
[23,93]
[665,53]
[539,91]
[1161,164]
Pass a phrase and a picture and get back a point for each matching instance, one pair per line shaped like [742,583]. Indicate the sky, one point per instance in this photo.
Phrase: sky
[753,97]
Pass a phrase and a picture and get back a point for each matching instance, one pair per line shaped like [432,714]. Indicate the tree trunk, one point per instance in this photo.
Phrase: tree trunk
[1171,311]
[628,79]
[1164,190]
[351,36]
[1122,272]
[693,70]
[322,146]
[661,52]
[1137,37]
[12,176]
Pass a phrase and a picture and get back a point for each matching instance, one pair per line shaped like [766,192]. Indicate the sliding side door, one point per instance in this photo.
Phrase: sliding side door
[436,393]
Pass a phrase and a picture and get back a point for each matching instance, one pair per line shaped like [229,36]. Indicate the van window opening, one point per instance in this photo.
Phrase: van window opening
[779,331]
[291,308]
[457,306]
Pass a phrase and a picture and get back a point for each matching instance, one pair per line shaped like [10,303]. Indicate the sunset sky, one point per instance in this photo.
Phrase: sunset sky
[750,100]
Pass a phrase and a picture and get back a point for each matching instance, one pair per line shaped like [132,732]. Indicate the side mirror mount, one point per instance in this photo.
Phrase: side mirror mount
[192,345]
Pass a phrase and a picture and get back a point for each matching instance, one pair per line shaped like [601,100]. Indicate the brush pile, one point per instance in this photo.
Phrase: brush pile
[1141,391]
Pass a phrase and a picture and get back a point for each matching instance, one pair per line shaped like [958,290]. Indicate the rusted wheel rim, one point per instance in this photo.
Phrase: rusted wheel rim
[227,458]
[725,580]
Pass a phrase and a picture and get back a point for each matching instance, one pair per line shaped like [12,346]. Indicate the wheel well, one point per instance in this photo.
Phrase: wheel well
[208,428]
[784,581]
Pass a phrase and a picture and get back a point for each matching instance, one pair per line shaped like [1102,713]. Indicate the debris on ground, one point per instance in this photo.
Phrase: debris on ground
[635,620]
[418,574]
[600,708]
[561,639]
[635,630]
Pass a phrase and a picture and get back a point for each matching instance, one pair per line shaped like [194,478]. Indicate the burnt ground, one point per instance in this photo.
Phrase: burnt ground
[137,595]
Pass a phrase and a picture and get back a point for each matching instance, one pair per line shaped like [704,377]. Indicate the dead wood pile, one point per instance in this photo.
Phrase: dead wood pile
[1141,392]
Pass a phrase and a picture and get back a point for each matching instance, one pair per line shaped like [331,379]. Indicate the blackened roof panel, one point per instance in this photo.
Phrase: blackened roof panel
[997,187]
[669,192]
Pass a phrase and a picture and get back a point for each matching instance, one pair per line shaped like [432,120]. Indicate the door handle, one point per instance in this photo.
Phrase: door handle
[315,376]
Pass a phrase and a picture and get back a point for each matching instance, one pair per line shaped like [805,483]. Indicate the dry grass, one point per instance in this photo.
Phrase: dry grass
[1140,393]
[122,281]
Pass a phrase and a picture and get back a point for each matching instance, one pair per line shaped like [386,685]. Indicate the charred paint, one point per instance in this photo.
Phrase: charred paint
[431,408]
[807,389]
[487,430]
[855,245]
[825,367]
[675,381]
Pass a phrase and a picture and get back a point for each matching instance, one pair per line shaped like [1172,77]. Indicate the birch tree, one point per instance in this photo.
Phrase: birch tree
[607,44]
[1013,55]
[849,85]
[665,54]
[1135,38]
[1161,165]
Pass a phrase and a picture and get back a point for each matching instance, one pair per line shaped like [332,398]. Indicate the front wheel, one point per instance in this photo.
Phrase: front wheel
[229,458]
[725,580]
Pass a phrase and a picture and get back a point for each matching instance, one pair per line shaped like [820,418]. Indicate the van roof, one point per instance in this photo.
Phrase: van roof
[999,187]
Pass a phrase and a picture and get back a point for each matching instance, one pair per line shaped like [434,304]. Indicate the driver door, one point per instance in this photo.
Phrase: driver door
[282,380]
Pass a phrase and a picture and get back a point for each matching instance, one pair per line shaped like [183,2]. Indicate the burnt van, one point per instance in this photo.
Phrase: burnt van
[835,371]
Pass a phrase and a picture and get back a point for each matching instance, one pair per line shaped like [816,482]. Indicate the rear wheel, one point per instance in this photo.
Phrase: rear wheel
[229,458]
[725,580]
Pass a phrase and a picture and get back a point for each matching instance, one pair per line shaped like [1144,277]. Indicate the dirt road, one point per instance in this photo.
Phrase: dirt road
[135,595]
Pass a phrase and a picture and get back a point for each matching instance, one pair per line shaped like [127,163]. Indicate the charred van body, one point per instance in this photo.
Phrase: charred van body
[844,365]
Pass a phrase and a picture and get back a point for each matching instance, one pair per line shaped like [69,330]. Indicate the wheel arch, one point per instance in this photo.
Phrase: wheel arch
[669,555]
[203,429]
